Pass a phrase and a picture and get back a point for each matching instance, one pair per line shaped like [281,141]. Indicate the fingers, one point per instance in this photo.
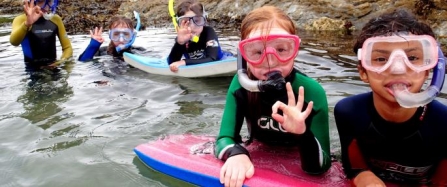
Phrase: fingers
[228,175]
[184,24]
[308,110]
[91,34]
[100,30]
[300,101]
[278,105]
[250,172]
[173,68]
[222,173]
[278,118]
[290,94]
[239,180]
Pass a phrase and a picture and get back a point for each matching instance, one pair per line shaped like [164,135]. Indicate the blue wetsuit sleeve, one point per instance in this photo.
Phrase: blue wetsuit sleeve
[90,51]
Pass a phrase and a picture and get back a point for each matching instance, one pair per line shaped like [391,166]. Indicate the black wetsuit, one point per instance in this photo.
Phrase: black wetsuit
[206,50]
[407,152]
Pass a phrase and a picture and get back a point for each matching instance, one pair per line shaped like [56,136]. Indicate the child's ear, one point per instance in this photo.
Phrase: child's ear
[362,73]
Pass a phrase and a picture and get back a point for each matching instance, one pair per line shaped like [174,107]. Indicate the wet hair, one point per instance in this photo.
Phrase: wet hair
[190,5]
[113,23]
[398,20]
[263,17]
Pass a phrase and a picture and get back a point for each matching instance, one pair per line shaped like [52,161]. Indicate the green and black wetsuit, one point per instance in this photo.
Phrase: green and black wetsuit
[314,143]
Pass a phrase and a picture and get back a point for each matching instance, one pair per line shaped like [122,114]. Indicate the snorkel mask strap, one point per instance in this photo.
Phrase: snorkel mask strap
[407,99]
[134,34]
[275,80]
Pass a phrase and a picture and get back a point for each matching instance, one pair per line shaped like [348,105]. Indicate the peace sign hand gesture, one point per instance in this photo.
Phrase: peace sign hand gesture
[33,13]
[293,118]
[97,34]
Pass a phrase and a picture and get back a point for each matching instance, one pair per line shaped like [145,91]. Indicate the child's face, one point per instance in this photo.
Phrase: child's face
[279,52]
[121,34]
[196,23]
[397,63]
[43,6]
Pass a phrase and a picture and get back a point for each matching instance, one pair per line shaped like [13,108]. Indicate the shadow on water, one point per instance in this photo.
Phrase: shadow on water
[45,89]
[164,179]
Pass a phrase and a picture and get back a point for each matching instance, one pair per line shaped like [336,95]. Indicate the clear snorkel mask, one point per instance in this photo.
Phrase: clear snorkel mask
[125,34]
[49,7]
[399,52]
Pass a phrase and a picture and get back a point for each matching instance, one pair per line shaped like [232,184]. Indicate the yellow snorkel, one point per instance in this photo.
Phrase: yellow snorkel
[194,39]
[172,13]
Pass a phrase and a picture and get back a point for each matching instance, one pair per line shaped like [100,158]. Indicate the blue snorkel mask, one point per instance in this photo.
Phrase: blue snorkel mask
[51,5]
[407,99]
[134,35]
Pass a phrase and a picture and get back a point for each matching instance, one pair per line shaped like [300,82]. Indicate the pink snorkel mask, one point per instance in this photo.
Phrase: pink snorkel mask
[397,52]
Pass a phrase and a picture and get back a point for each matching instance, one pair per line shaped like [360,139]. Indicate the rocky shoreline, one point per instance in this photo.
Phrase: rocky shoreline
[82,15]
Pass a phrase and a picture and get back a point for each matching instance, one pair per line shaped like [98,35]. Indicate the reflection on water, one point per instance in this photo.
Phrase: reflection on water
[86,118]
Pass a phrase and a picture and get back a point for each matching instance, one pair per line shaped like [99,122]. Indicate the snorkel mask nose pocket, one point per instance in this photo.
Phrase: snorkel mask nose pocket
[398,65]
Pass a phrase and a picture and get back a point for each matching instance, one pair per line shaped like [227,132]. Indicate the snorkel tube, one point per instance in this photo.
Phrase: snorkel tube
[174,17]
[172,14]
[121,47]
[407,99]
[275,80]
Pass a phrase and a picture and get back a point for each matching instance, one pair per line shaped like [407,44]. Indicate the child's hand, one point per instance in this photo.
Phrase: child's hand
[174,66]
[97,34]
[293,119]
[368,179]
[235,170]
[184,33]
[33,13]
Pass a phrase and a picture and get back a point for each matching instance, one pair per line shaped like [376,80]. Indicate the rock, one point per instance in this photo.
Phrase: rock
[228,14]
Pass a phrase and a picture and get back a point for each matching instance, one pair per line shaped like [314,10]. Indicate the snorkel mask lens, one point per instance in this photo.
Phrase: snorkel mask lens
[197,20]
[284,47]
[48,7]
[418,52]
[124,35]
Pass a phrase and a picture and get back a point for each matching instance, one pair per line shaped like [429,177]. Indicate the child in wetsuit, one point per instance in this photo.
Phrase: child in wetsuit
[396,133]
[269,46]
[36,31]
[191,17]
[122,36]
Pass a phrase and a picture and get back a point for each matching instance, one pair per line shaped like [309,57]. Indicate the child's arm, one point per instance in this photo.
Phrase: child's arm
[67,50]
[90,51]
[232,120]
[19,30]
[176,52]
[314,142]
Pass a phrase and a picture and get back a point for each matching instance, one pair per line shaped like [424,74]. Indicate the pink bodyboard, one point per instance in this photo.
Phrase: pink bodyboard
[190,158]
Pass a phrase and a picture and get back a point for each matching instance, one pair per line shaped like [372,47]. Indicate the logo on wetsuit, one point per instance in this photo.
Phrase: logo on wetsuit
[197,54]
[43,31]
[268,123]
[397,172]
